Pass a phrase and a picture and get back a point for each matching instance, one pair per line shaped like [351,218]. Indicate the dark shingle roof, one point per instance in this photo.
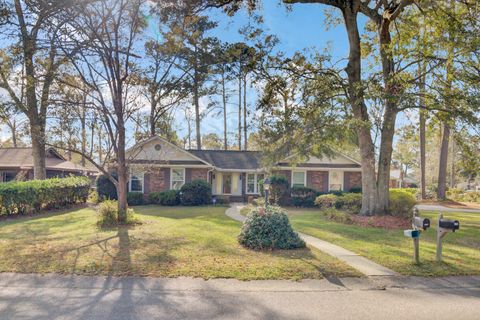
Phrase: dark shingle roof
[229,159]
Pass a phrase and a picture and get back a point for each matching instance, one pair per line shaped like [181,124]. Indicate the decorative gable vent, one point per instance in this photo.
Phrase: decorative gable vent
[158,147]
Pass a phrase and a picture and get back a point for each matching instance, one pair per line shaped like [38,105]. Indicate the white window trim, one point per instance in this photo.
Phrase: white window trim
[342,179]
[304,177]
[255,187]
[171,175]
[142,174]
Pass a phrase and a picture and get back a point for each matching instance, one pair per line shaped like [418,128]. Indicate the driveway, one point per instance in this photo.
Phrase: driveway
[437,207]
[76,297]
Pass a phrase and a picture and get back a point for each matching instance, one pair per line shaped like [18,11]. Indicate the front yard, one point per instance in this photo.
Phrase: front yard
[461,250]
[171,241]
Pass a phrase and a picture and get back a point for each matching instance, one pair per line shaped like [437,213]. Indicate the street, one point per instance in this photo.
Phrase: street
[76,297]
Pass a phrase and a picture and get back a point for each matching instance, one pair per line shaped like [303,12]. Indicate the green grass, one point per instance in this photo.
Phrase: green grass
[461,250]
[170,242]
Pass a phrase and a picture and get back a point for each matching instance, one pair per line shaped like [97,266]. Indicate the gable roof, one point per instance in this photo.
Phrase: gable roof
[22,158]
[139,147]
[230,159]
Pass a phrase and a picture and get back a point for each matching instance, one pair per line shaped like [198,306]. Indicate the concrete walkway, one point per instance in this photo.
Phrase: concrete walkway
[65,297]
[362,264]
[438,207]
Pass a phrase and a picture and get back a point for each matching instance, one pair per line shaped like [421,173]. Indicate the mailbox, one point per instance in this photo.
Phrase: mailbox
[449,224]
[411,233]
[422,223]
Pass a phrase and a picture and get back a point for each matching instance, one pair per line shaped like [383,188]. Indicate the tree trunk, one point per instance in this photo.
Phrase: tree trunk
[84,133]
[240,108]
[422,124]
[197,116]
[13,129]
[356,99]
[245,129]
[224,100]
[122,174]
[153,126]
[453,160]
[389,118]
[442,167]
[37,132]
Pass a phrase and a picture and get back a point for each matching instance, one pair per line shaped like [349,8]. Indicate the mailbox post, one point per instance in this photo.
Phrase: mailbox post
[418,224]
[444,227]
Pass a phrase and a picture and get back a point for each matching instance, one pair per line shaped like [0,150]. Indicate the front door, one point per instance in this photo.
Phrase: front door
[227,183]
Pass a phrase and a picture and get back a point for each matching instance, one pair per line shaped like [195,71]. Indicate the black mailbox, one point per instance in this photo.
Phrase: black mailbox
[449,224]
[420,222]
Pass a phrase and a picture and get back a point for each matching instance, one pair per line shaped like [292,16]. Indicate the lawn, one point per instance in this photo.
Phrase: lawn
[170,242]
[461,250]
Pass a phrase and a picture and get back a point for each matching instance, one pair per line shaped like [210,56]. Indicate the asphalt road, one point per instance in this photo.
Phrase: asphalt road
[71,297]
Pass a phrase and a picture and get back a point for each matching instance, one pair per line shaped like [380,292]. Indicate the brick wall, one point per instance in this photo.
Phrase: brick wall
[352,180]
[194,174]
[156,180]
[318,180]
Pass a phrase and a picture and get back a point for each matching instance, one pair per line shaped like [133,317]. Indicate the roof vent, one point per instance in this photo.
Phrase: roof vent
[158,147]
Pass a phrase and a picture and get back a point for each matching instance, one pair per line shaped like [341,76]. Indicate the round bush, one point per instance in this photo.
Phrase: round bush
[106,189]
[196,193]
[351,202]
[325,201]
[401,203]
[303,196]
[135,198]
[268,229]
[165,198]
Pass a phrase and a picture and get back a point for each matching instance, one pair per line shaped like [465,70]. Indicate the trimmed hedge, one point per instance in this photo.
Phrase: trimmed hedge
[165,198]
[268,229]
[135,198]
[29,196]
[303,196]
[195,193]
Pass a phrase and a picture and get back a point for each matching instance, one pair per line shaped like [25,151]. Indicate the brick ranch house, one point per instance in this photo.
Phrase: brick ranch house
[17,164]
[158,165]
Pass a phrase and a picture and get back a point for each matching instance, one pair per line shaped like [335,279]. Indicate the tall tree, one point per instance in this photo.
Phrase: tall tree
[30,30]
[106,31]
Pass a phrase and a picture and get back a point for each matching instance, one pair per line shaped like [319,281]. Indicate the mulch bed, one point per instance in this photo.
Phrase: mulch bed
[385,222]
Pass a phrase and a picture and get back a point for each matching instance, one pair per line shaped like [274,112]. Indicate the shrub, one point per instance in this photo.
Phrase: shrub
[108,215]
[106,189]
[268,229]
[351,202]
[93,197]
[165,198]
[19,197]
[303,196]
[135,198]
[196,193]
[401,203]
[355,190]
[325,201]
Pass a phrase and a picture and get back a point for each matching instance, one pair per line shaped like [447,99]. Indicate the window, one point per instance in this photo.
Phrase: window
[335,181]
[177,178]
[298,179]
[252,182]
[136,182]
[9,176]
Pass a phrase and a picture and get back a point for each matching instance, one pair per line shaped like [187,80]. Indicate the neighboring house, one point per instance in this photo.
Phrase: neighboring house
[158,165]
[17,164]
[398,179]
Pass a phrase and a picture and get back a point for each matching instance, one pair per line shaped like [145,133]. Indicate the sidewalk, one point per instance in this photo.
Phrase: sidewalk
[362,264]
[42,297]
